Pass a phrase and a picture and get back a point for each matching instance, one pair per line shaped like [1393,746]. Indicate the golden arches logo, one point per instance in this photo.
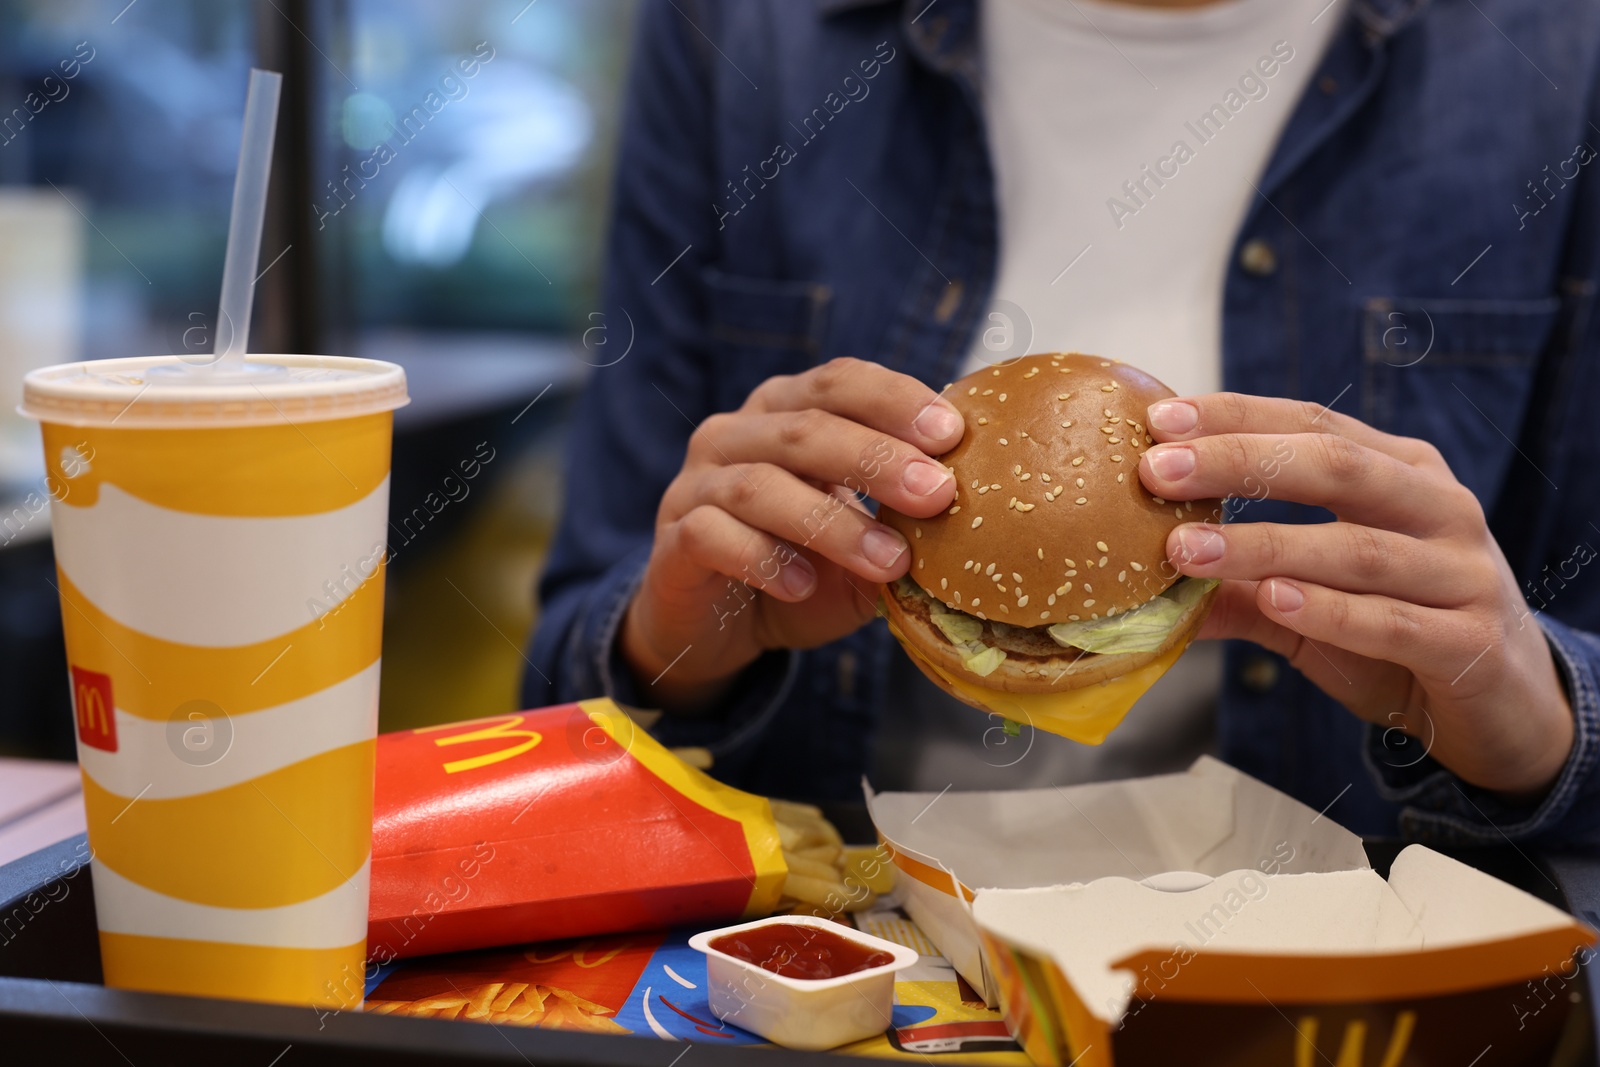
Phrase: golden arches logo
[501,727]
[1353,1044]
[94,708]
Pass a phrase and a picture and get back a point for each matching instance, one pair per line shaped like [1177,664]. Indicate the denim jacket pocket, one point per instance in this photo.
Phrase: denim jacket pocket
[1457,373]
[760,327]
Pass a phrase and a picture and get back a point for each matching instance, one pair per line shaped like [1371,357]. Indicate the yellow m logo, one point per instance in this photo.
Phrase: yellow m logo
[504,727]
[1306,1052]
[92,713]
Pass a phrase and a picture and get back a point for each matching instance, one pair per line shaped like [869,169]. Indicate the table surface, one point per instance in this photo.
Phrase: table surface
[41,802]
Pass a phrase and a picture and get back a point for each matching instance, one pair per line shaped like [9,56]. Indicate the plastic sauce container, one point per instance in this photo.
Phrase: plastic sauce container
[803,1013]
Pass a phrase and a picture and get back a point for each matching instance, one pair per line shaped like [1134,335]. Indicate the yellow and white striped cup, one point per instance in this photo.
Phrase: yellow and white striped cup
[219,551]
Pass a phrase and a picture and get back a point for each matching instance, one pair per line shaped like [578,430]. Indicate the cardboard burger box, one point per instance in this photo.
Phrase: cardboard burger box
[1204,917]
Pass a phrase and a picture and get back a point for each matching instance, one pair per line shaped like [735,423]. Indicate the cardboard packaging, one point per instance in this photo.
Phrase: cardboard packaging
[1441,964]
[556,823]
[1210,819]
[1204,917]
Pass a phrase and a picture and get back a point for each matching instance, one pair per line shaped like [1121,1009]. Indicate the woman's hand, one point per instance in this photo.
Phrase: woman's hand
[1404,610]
[768,496]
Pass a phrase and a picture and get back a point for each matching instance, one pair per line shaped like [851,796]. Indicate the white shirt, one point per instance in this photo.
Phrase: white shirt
[1127,144]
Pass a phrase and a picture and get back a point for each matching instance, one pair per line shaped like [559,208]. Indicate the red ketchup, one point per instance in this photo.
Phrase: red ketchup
[796,951]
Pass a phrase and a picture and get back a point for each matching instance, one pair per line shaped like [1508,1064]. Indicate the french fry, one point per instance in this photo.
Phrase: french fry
[795,812]
[820,891]
[826,853]
[812,868]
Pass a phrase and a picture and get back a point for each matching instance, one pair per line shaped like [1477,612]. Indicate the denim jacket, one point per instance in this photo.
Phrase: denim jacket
[804,179]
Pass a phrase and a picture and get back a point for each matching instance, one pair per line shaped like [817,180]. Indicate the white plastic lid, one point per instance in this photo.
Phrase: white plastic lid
[124,392]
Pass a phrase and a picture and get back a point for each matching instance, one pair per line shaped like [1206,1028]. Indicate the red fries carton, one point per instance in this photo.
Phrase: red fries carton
[555,823]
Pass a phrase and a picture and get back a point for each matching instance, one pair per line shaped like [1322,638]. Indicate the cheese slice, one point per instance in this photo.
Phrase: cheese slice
[1086,715]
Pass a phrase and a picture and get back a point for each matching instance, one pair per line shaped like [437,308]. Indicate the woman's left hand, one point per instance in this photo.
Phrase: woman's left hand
[1404,609]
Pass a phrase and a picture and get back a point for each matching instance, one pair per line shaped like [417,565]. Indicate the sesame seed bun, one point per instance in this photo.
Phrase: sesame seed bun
[1050,522]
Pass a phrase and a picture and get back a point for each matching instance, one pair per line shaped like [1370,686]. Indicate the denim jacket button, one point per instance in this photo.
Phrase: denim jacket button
[1259,674]
[1258,258]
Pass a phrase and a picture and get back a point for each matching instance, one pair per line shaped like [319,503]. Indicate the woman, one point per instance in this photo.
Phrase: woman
[1371,222]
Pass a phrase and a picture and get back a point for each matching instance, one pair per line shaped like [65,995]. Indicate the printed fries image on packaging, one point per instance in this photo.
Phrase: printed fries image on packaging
[569,821]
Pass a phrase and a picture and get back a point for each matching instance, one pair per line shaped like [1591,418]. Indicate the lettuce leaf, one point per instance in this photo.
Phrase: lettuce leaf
[1143,629]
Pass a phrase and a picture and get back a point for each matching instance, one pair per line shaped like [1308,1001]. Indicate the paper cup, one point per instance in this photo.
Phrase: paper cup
[219,555]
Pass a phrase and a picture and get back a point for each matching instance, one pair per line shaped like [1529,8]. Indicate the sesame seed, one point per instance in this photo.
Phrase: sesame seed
[1017,469]
[1026,507]
[1119,479]
[972,391]
[944,583]
[1113,440]
[1116,385]
[1041,553]
[989,392]
[976,601]
[1122,576]
[1103,363]
[1004,441]
[1005,609]
[982,421]
[1107,429]
[1107,412]
[982,616]
[994,485]
[967,566]
[1024,477]
[1178,512]
[955,509]
[1044,614]
[1188,505]
[1002,398]
[1158,500]
[1069,563]
[985,489]
[1064,370]
[1147,439]
[1078,462]
[919,531]
[1101,545]
[1043,477]
[1105,388]
[1011,503]
[1080,483]
[1117,458]
[1074,618]
[1024,433]
[989,569]
[974,483]
[1015,577]
[977,522]
[997,374]
[1083,500]
[1063,396]
[1022,601]
[1073,573]
[1087,588]
[1137,566]
[958,596]
[1002,588]
[1063,589]
[1051,599]
[1089,603]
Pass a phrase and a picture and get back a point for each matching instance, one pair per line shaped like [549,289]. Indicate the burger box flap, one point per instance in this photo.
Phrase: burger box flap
[1104,972]
[1210,819]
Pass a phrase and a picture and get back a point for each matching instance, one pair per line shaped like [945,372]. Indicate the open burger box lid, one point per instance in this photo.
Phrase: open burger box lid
[1205,917]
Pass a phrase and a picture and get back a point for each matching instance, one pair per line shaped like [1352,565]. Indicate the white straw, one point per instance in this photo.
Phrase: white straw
[249,211]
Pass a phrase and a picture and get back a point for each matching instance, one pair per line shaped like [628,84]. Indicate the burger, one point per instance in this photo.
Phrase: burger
[1044,592]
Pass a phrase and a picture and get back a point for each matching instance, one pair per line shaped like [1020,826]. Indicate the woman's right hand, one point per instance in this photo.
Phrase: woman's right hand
[760,540]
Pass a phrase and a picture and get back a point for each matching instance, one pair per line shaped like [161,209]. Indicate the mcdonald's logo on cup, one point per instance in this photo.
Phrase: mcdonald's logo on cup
[94,708]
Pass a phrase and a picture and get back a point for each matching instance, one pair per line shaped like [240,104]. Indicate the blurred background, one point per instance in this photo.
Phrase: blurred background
[438,200]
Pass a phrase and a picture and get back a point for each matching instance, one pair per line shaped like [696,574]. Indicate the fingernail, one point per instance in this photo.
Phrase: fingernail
[1199,544]
[798,578]
[923,478]
[1173,416]
[882,546]
[938,420]
[1285,596]
[1171,462]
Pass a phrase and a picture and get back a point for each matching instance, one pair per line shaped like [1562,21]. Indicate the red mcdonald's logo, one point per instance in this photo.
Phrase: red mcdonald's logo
[96,711]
